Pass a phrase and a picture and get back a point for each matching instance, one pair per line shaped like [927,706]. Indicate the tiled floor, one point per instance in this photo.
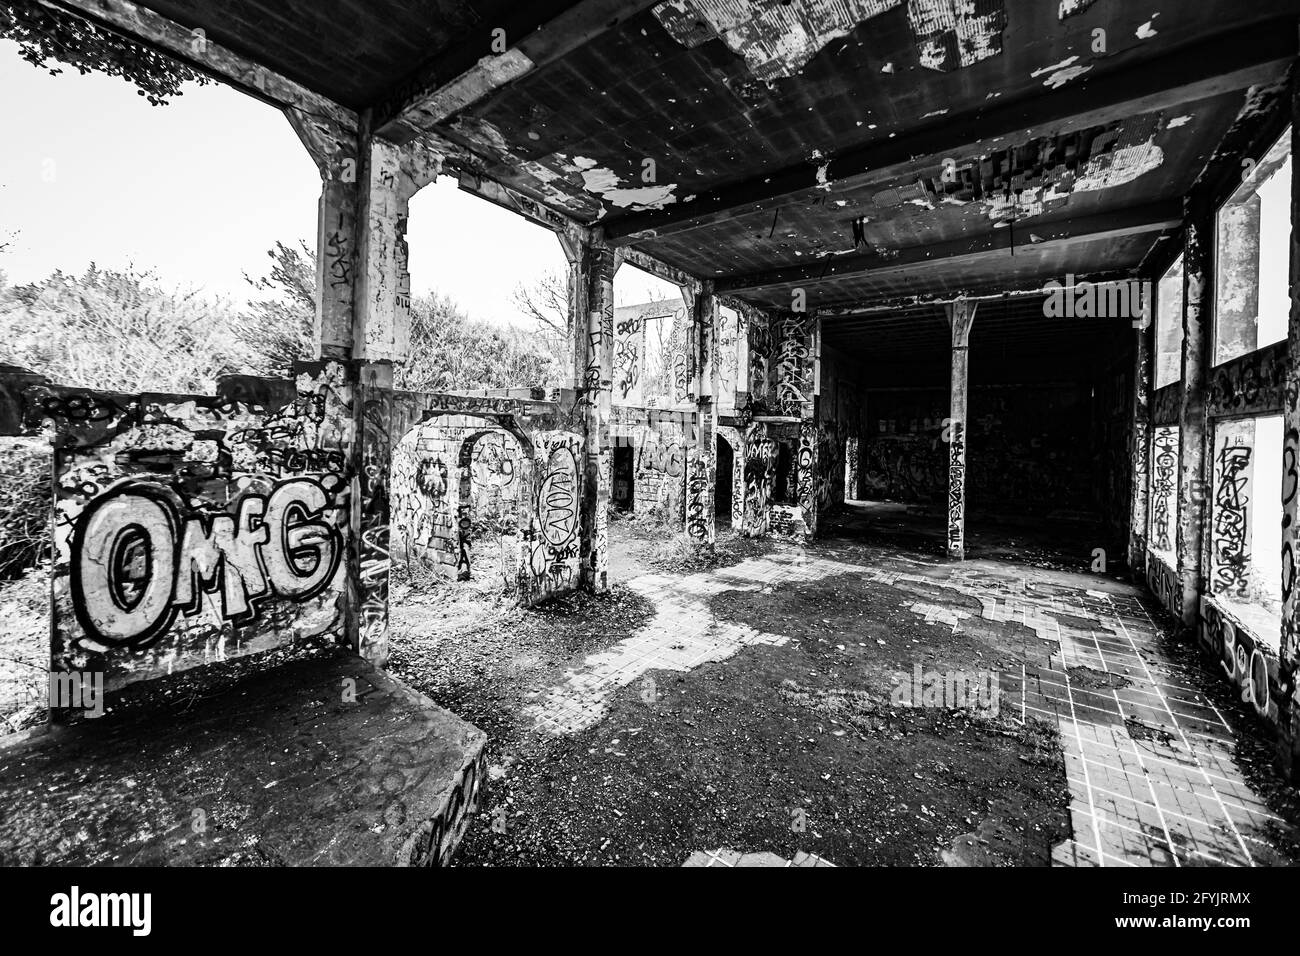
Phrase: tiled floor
[732,858]
[1149,758]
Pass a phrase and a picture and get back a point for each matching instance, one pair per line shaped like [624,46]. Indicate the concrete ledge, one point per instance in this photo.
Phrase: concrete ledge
[284,767]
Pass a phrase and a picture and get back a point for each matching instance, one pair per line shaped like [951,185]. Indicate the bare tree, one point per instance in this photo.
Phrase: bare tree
[546,302]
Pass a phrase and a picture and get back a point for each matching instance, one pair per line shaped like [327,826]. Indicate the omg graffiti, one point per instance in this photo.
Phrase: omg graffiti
[137,561]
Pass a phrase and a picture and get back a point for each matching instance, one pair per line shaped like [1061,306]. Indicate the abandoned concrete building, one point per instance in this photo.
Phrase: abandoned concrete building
[989,318]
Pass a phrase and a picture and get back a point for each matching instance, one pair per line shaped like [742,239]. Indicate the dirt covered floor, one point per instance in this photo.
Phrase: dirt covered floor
[754,699]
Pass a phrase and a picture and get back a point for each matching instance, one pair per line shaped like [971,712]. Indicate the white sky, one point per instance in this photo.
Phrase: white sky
[198,190]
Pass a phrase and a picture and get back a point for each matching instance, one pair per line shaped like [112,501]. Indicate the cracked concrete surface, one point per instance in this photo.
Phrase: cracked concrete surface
[1151,760]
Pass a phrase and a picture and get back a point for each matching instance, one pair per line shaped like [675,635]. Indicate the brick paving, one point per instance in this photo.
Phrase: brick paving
[733,858]
[1149,758]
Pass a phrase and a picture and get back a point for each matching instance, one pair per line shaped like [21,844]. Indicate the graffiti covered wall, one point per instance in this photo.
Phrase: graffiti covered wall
[1250,665]
[465,461]
[736,442]
[657,439]
[192,529]
[758,480]
[435,510]
[1026,448]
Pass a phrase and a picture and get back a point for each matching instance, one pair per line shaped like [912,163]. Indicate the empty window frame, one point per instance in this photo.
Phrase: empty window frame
[1252,258]
[1169,325]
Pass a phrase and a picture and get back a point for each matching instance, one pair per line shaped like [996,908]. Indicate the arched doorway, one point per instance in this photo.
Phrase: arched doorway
[457,483]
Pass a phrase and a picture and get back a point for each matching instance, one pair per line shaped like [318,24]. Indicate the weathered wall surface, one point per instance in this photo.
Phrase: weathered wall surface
[191,529]
[735,440]
[523,455]
[781,425]
[1027,448]
[428,494]
[631,362]
[658,441]
[757,480]
[1248,663]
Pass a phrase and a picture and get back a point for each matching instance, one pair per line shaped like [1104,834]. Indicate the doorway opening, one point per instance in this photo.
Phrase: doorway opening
[624,478]
[723,484]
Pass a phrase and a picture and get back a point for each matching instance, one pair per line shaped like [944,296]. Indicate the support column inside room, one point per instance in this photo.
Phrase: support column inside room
[702,456]
[363,321]
[1141,437]
[961,316]
[1192,485]
[591,293]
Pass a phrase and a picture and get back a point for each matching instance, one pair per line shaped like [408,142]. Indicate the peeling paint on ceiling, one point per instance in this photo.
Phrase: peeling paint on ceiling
[1061,77]
[1055,67]
[1039,176]
[777,38]
[1121,165]
[605,183]
[957,33]
[1069,8]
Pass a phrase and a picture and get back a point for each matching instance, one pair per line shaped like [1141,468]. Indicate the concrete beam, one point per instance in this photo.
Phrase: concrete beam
[1035,287]
[515,201]
[660,269]
[495,55]
[990,246]
[191,47]
[1223,63]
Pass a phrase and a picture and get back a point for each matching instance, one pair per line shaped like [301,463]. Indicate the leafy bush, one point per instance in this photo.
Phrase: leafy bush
[24,650]
[24,504]
[45,33]
[122,330]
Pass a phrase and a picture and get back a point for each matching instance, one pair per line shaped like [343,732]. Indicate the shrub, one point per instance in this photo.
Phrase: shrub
[25,493]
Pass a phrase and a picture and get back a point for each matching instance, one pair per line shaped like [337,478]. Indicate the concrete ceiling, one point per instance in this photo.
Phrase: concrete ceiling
[861,150]
[1012,339]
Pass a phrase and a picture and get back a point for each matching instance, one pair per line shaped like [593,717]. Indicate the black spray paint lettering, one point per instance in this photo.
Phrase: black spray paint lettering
[137,562]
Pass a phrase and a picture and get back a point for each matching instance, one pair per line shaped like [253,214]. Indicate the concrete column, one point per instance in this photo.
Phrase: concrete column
[382,314]
[381,326]
[363,322]
[690,295]
[337,155]
[809,434]
[575,251]
[1193,425]
[1289,655]
[961,315]
[1140,437]
[702,457]
[598,265]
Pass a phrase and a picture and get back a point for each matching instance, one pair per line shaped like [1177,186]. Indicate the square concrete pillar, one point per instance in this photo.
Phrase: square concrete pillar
[702,453]
[1140,438]
[363,321]
[1198,299]
[592,286]
[961,316]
